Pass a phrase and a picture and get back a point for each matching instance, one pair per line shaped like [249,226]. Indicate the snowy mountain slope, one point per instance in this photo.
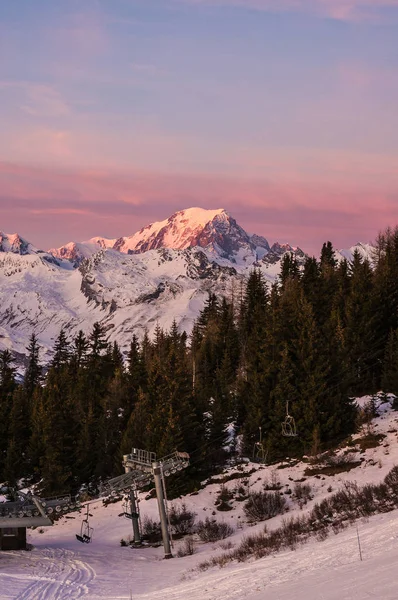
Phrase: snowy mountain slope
[60,567]
[75,252]
[127,293]
[15,244]
[366,251]
[130,284]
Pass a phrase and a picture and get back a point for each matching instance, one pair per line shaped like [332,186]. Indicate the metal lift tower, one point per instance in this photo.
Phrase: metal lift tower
[141,468]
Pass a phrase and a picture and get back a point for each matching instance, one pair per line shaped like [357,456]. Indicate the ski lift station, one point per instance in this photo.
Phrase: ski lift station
[28,511]
[141,468]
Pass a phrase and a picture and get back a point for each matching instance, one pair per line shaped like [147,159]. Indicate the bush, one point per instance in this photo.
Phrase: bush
[187,549]
[391,481]
[181,520]
[211,530]
[302,493]
[224,498]
[264,505]
[274,484]
[152,531]
[333,465]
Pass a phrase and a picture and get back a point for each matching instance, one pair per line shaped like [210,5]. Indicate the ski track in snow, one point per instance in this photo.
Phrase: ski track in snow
[58,575]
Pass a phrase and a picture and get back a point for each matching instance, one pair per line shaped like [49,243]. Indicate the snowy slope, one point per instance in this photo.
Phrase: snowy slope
[14,243]
[366,251]
[131,284]
[127,293]
[60,568]
[75,252]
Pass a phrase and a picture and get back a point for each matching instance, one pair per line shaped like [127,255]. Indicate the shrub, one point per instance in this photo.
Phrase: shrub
[187,549]
[241,489]
[211,530]
[181,520]
[226,545]
[274,484]
[391,481]
[264,505]
[302,493]
[370,440]
[333,465]
[224,498]
[151,530]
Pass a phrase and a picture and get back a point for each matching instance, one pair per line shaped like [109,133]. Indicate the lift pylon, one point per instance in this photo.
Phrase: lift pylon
[141,468]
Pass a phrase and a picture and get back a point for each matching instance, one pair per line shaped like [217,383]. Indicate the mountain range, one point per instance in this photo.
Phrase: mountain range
[130,284]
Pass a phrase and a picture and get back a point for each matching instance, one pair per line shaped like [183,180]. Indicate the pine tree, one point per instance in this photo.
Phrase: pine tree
[33,371]
[59,432]
[361,327]
[390,365]
[385,296]
[16,463]
[7,388]
[61,351]
[79,352]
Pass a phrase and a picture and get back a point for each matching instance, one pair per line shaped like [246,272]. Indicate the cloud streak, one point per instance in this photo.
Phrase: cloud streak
[51,207]
[37,99]
[342,10]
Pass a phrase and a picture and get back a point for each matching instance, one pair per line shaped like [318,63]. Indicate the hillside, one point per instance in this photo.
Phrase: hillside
[59,567]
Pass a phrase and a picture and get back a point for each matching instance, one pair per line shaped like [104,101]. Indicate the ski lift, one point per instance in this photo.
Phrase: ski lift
[289,425]
[127,509]
[86,532]
[259,452]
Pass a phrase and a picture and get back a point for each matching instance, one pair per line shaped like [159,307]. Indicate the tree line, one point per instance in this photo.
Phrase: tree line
[306,346]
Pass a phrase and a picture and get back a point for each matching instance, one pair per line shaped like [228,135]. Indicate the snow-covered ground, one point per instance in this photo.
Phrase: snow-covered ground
[59,567]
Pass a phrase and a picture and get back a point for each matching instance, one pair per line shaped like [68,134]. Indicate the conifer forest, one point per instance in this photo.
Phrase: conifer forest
[305,346]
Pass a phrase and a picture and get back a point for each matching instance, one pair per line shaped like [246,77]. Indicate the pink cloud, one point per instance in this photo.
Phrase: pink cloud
[51,207]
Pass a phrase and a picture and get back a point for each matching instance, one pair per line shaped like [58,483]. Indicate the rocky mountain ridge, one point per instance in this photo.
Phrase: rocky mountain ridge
[214,230]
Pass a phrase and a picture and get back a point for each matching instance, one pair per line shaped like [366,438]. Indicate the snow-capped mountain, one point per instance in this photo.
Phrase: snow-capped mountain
[75,252]
[214,230]
[277,251]
[15,244]
[366,252]
[131,284]
[126,293]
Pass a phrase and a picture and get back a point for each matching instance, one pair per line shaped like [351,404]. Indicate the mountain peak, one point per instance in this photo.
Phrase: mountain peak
[180,231]
[13,242]
[213,230]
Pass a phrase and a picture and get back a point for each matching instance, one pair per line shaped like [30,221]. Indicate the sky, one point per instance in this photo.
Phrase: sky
[117,113]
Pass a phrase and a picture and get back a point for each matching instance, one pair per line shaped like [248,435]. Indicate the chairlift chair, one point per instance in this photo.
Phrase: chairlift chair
[86,532]
[289,424]
[259,452]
